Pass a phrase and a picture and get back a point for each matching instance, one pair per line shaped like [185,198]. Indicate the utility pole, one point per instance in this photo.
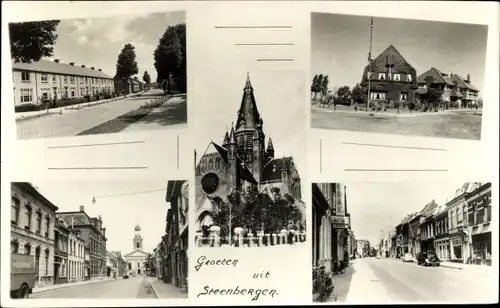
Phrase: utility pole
[369,66]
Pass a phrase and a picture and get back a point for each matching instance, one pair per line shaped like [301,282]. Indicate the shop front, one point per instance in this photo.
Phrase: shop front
[481,245]
[442,248]
[459,250]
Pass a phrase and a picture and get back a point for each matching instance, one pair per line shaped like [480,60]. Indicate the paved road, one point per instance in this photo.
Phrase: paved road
[408,282]
[135,287]
[74,122]
[459,126]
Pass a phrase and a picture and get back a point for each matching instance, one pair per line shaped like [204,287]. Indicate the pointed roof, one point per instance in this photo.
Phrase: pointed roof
[226,139]
[270,146]
[248,115]
[461,82]
[243,170]
[439,77]
[398,62]
[232,137]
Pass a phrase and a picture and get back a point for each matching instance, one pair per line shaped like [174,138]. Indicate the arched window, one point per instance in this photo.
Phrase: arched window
[137,245]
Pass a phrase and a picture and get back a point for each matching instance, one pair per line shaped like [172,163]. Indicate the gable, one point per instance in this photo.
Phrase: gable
[136,253]
[75,218]
[397,60]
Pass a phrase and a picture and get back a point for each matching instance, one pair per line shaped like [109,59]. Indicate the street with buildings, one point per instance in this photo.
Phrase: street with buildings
[391,269]
[70,253]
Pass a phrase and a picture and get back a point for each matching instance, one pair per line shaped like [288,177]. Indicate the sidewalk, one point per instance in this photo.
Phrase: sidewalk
[471,267]
[69,284]
[39,113]
[165,290]
[365,287]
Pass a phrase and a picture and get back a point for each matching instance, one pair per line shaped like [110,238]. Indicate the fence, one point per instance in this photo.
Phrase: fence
[239,239]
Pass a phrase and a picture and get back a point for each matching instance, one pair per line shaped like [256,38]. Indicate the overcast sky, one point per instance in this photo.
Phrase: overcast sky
[372,205]
[120,214]
[340,45]
[280,97]
[98,41]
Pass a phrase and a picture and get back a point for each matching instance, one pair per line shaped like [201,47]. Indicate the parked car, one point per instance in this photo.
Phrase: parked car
[125,276]
[407,257]
[428,259]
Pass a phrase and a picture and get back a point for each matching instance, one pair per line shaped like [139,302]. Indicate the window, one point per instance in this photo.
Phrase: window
[38,222]
[46,262]
[396,77]
[54,78]
[47,226]
[404,96]
[15,207]
[72,79]
[44,78]
[65,79]
[25,77]
[26,95]
[28,217]
[377,95]
[81,80]
[14,247]
[408,77]
[381,76]
[138,265]
[137,245]
[27,249]
[73,92]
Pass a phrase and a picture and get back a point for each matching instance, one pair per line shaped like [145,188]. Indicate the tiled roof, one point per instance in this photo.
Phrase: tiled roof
[47,66]
[79,218]
[397,60]
[461,82]
[272,169]
[437,75]
[429,208]
[456,93]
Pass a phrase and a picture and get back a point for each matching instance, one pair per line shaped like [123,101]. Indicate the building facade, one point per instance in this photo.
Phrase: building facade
[243,164]
[138,257]
[457,224]
[32,229]
[178,197]
[479,224]
[391,78]
[442,239]
[61,240]
[93,234]
[48,80]
[76,256]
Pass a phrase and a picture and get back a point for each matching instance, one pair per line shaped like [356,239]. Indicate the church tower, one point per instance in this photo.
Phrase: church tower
[137,238]
[248,122]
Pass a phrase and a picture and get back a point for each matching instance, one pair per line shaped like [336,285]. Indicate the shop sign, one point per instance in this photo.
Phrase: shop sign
[340,222]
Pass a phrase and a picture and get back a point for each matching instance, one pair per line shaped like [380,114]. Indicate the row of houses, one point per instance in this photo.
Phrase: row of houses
[43,80]
[66,246]
[333,239]
[169,261]
[363,248]
[458,231]
[393,78]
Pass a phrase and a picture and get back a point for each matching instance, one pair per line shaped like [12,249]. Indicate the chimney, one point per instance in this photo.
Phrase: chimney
[57,60]
[82,208]
[92,68]
[72,63]
[468,78]
[83,65]
[100,70]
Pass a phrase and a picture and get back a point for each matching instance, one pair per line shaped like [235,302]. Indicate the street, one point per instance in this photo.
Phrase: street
[105,118]
[459,125]
[134,287]
[390,280]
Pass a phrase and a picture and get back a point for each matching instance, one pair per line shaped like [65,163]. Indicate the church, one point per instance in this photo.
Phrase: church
[137,258]
[243,162]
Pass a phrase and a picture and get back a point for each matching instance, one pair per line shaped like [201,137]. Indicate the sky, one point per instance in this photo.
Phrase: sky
[98,41]
[120,214]
[379,206]
[340,46]
[279,95]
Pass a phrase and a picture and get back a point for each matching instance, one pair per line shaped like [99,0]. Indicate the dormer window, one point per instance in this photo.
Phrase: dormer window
[381,76]
[369,75]
[396,77]
[408,77]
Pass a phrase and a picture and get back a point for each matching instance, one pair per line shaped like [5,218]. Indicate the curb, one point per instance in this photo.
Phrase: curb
[454,267]
[153,288]
[22,119]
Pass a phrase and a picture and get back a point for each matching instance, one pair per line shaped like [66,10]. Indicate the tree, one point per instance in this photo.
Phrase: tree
[170,56]
[344,95]
[126,65]
[31,41]
[314,85]
[324,86]
[146,78]
[358,93]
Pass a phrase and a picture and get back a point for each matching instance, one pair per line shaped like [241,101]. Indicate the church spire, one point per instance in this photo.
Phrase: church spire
[270,149]
[232,137]
[248,115]
[226,139]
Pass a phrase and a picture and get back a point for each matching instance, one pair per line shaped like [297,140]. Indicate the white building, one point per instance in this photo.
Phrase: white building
[76,256]
[137,258]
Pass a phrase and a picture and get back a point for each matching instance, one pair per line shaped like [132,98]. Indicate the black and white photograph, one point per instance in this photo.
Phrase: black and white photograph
[402,242]
[97,240]
[248,172]
[122,73]
[397,76]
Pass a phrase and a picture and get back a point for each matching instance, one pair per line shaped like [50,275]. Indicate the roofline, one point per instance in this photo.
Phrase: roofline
[479,189]
[52,72]
[33,191]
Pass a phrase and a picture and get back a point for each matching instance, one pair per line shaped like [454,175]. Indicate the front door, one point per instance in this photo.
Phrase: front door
[56,272]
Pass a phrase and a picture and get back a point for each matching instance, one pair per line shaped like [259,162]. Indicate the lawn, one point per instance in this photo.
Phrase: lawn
[458,126]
